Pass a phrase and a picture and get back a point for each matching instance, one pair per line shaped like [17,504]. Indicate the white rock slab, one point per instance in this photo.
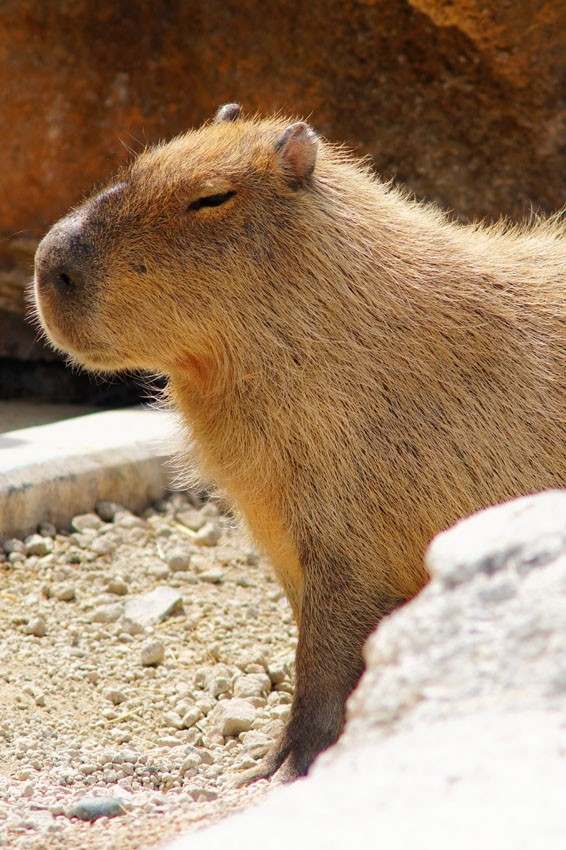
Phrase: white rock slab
[52,472]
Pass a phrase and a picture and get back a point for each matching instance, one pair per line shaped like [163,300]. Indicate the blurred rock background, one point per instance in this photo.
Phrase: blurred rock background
[458,100]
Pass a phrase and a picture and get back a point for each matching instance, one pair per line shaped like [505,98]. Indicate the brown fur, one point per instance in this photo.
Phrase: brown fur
[357,371]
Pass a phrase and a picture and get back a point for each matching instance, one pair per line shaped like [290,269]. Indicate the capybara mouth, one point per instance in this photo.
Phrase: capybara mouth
[80,351]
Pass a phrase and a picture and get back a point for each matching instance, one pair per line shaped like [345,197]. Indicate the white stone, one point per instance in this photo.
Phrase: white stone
[191,716]
[82,522]
[63,591]
[107,613]
[103,545]
[233,716]
[178,560]
[36,626]
[151,608]
[208,535]
[152,652]
[37,545]
[252,685]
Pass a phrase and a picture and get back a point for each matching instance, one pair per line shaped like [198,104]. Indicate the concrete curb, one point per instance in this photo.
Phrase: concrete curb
[51,472]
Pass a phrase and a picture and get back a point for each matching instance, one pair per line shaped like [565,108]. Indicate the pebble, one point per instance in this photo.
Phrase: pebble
[35,544]
[173,719]
[82,522]
[252,685]
[233,716]
[203,795]
[192,519]
[213,576]
[127,520]
[178,560]
[152,652]
[277,671]
[151,608]
[190,717]
[115,696]
[220,686]
[107,613]
[108,510]
[36,626]
[103,545]
[117,586]
[13,545]
[92,808]
[208,535]
[245,581]
[64,591]
[16,557]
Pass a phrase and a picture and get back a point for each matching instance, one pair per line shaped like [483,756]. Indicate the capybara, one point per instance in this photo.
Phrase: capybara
[357,370]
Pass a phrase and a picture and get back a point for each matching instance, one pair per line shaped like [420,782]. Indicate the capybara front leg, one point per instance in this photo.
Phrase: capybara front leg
[336,618]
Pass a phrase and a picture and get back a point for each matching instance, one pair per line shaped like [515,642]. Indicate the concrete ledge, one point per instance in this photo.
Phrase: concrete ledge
[52,472]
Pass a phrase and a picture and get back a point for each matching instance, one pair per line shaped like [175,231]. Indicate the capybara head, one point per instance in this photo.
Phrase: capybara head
[174,242]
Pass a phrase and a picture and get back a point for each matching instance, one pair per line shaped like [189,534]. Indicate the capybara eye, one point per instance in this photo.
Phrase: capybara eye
[210,201]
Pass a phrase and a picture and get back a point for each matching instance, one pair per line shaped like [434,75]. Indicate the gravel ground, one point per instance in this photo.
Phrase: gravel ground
[143,661]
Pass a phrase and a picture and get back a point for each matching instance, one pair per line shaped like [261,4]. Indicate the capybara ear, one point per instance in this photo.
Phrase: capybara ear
[297,147]
[228,112]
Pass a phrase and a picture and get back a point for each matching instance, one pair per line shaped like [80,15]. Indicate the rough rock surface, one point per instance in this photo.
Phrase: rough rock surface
[457,732]
[459,101]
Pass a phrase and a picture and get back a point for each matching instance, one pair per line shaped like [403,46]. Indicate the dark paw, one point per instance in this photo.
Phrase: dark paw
[283,764]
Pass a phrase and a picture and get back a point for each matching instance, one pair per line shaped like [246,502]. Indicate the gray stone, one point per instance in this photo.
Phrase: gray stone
[108,510]
[151,608]
[92,808]
[14,545]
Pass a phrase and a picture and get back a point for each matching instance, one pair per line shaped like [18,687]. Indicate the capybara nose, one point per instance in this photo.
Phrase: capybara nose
[59,278]
[61,261]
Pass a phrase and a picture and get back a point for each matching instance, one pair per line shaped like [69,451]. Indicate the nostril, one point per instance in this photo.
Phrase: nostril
[65,284]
